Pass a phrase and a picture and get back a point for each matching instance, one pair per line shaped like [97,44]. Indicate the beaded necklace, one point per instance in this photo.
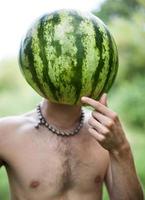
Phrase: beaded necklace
[54,129]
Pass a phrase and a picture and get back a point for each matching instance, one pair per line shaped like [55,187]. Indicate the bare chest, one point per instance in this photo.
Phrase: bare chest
[59,164]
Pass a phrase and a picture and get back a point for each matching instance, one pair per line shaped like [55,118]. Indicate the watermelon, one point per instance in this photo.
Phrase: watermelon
[67,54]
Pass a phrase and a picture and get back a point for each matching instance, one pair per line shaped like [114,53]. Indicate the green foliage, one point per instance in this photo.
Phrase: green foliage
[16,96]
[130,39]
[8,76]
[4,188]
[128,100]
[118,8]
[129,89]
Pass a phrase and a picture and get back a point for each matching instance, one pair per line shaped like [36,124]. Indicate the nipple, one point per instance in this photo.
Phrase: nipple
[34,184]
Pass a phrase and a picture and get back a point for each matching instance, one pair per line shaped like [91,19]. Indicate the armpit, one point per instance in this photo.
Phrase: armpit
[1,163]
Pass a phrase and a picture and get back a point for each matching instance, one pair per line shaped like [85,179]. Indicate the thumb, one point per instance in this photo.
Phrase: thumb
[103,99]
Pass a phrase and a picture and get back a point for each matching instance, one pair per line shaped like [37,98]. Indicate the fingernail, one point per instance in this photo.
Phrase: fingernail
[83,98]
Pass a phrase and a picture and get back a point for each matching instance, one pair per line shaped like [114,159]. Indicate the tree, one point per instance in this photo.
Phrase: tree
[118,8]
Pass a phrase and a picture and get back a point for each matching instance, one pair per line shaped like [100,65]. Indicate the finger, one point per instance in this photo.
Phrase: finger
[90,102]
[99,107]
[98,126]
[103,99]
[106,121]
[97,136]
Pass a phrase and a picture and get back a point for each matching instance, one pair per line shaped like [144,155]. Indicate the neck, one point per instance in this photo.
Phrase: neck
[60,115]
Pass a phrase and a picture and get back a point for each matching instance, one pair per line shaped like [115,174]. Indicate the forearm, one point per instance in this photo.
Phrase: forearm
[125,183]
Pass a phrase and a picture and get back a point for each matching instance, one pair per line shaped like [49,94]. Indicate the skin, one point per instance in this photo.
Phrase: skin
[43,166]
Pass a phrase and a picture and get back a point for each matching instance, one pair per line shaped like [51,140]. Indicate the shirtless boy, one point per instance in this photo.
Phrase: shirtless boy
[42,165]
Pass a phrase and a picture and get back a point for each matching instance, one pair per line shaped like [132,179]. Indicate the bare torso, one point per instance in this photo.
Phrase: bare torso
[44,166]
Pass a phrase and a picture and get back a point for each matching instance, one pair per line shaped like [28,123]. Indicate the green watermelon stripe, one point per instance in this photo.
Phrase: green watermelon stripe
[111,64]
[42,43]
[116,62]
[20,60]
[114,71]
[55,21]
[29,52]
[77,78]
[99,45]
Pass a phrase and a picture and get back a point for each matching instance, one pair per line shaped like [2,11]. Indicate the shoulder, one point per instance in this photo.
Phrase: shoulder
[7,124]
[10,126]
[11,129]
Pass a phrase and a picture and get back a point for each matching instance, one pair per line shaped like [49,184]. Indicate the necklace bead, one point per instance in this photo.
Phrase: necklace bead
[42,122]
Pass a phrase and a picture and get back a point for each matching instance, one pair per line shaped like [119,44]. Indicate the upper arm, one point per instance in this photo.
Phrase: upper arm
[8,126]
[4,129]
[1,142]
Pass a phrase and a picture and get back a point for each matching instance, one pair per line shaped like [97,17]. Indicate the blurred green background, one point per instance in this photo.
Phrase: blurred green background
[126,20]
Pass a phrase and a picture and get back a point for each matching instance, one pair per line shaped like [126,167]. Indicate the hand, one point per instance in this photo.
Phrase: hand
[104,124]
